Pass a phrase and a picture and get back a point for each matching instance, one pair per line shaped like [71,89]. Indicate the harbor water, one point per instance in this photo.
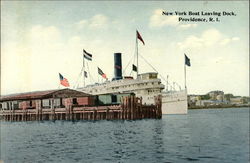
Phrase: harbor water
[211,135]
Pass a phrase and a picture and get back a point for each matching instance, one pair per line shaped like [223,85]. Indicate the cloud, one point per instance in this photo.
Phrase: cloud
[186,26]
[98,21]
[43,33]
[229,40]
[157,20]
[34,63]
[15,67]
[30,64]
[225,41]
[235,39]
[211,37]
[191,42]
[81,24]
[43,37]
[208,38]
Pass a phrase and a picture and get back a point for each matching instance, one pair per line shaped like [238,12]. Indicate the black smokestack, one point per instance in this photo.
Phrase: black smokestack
[118,66]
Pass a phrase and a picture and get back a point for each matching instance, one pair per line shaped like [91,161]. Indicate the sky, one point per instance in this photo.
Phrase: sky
[40,39]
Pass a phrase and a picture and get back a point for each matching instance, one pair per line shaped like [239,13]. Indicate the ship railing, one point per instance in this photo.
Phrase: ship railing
[122,83]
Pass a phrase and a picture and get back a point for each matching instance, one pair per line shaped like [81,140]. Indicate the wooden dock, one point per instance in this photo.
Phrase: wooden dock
[131,108]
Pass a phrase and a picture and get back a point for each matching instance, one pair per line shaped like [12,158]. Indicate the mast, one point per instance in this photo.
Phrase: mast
[136,42]
[83,73]
[167,83]
[185,72]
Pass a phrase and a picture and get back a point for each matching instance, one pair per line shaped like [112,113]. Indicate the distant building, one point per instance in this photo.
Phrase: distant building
[192,99]
[210,102]
[238,100]
[228,96]
[216,95]
[220,97]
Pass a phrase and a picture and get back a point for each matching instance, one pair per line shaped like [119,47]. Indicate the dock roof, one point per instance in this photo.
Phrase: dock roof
[56,93]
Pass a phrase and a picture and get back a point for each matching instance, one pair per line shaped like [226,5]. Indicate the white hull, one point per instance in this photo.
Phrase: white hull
[174,102]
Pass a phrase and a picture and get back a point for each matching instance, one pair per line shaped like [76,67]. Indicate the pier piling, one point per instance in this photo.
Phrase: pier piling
[131,108]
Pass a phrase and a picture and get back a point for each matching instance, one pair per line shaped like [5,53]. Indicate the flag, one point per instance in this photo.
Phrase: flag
[187,61]
[101,73]
[85,74]
[134,68]
[63,81]
[87,55]
[139,37]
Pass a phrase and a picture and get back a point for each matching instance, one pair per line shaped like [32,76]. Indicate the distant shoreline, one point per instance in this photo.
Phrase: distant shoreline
[217,107]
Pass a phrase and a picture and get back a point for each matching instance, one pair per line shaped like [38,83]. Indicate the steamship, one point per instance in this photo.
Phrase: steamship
[146,85]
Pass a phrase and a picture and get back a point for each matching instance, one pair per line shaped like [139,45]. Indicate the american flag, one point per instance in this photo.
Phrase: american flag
[63,81]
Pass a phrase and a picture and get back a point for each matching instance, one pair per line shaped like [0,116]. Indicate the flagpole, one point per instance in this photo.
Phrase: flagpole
[97,75]
[59,84]
[167,83]
[185,71]
[83,72]
[137,55]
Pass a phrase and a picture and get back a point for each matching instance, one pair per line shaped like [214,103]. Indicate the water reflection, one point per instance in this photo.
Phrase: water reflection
[205,136]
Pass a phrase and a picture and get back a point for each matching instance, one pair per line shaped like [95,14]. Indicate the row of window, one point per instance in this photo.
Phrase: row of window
[134,85]
[125,86]
[29,104]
